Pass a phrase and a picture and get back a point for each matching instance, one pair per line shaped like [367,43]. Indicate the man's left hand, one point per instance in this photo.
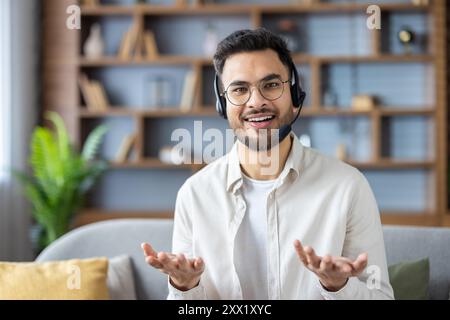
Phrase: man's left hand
[333,272]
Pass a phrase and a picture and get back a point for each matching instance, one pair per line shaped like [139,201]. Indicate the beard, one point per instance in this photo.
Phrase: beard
[264,139]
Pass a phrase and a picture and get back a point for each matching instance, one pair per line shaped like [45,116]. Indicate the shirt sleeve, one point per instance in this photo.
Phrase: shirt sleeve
[364,233]
[196,293]
[182,242]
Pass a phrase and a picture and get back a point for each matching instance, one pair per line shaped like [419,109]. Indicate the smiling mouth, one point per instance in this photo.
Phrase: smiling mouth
[260,122]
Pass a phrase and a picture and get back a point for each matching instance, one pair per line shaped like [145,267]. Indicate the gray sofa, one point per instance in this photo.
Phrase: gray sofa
[124,236]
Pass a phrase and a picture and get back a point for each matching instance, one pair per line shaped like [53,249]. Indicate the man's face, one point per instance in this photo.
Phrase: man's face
[251,68]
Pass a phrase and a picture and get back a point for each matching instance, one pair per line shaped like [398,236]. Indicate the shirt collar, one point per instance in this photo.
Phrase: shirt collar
[293,164]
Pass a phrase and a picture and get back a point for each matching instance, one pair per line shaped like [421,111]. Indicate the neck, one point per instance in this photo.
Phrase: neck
[264,165]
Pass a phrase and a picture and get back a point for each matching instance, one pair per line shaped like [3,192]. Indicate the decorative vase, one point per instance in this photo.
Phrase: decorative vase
[210,42]
[94,46]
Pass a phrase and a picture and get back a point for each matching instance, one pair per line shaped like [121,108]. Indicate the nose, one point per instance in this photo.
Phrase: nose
[256,98]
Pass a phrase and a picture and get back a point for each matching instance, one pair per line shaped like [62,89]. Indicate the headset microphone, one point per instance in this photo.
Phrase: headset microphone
[287,128]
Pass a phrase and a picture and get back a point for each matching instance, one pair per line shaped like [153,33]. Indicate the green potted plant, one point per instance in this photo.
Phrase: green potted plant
[60,177]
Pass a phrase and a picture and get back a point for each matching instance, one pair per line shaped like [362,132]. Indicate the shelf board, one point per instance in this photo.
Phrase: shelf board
[168,59]
[348,111]
[108,61]
[209,111]
[219,9]
[392,164]
[118,111]
[88,216]
[397,58]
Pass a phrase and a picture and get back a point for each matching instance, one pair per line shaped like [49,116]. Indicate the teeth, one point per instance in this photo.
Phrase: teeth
[260,119]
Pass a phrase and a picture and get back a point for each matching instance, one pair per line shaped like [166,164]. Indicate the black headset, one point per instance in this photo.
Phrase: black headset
[297,93]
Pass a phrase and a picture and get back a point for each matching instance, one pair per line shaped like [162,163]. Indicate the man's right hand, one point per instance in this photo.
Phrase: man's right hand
[184,273]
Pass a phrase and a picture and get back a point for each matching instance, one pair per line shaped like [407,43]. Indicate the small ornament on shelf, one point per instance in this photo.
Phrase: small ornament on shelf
[363,102]
[406,37]
[211,40]
[159,91]
[341,151]
[420,2]
[94,45]
[174,155]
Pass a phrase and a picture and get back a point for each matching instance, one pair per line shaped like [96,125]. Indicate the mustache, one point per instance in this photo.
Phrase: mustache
[258,111]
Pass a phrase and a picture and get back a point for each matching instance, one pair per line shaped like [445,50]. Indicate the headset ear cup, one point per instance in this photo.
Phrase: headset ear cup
[294,95]
[297,93]
[221,107]
[221,103]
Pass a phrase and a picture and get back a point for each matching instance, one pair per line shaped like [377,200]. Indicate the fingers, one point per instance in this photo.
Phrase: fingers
[326,264]
[168,260]
[199,265]
[300,252]
[171,263]
[154,262]
[307,255]
[313,259]
[148,250]
[360,263]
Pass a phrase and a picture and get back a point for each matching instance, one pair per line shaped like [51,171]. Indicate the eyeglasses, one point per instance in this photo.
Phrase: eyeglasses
[239,94]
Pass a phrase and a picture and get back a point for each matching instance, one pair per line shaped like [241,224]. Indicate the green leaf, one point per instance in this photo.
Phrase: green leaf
[64,147]
[93,141]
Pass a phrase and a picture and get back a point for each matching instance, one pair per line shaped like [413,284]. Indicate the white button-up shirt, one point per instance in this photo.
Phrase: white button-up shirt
[319,200]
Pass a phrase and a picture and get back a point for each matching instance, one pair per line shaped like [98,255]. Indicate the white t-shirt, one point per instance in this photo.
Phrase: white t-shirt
[251,240]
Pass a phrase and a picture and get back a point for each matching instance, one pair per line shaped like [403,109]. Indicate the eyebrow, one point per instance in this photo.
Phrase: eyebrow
[268,77]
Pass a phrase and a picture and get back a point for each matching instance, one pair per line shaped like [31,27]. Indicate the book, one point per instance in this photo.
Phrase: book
[128,43]
[151,49]
[188,93]
[87,92]
[100,94]
[126,147]
[124,44]
[138,45]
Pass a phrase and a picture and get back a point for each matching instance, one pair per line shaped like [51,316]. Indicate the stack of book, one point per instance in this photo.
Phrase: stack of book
[138,43]
[93,94]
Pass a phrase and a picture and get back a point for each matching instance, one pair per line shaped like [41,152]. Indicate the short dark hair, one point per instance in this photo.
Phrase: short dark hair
[251,40]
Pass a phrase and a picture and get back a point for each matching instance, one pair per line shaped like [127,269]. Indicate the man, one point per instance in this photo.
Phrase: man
[240,229]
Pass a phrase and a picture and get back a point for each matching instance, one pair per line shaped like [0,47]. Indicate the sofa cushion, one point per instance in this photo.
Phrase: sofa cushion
[76,279]
[410,279]
[120,279]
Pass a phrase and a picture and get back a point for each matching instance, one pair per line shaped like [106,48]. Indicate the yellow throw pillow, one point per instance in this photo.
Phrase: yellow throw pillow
[77,279]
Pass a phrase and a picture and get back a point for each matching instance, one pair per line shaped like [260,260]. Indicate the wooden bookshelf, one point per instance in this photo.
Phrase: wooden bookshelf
[63,63]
